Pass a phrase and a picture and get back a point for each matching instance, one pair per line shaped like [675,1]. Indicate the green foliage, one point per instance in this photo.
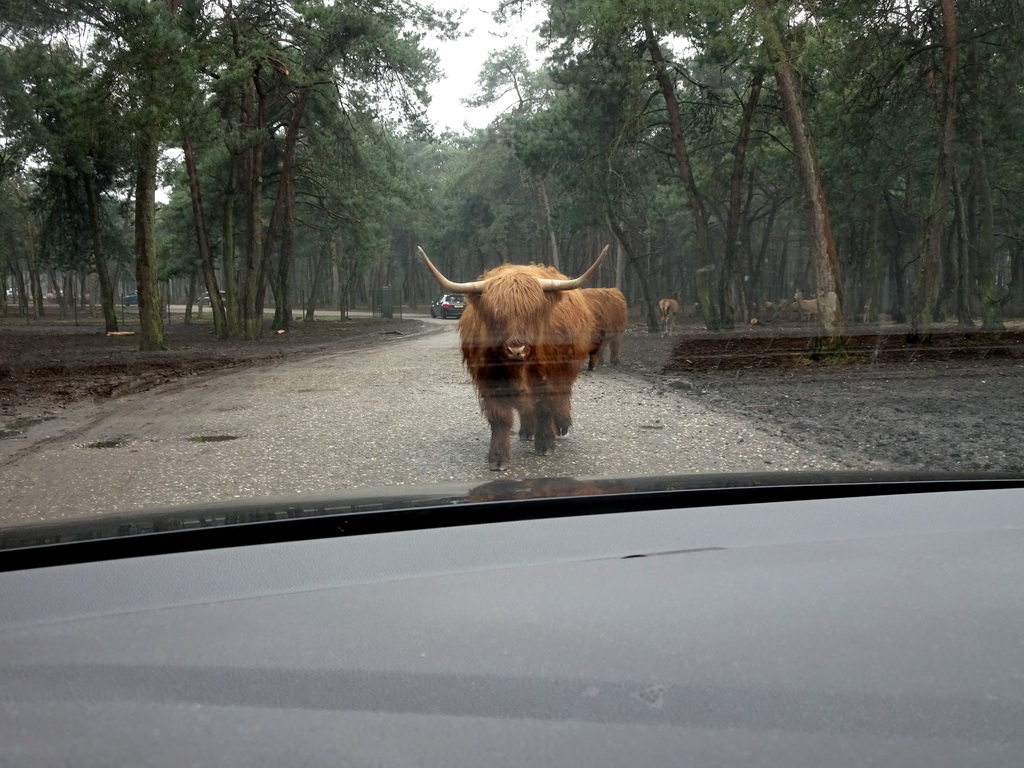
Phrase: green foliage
[588,137]
[59,125]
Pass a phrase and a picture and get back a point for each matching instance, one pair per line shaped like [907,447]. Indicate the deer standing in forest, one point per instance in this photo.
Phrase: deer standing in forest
[808,308]
[668,309]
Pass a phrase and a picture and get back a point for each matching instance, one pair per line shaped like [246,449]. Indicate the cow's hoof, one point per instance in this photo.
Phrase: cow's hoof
[497,465]
[545,447]
[526,436]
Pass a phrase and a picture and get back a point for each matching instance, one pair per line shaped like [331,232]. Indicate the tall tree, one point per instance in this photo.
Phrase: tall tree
[507,73]
[824,260]
[939,210]
[58,111]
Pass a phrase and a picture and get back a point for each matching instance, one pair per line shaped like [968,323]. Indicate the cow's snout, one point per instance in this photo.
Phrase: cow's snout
[515,349]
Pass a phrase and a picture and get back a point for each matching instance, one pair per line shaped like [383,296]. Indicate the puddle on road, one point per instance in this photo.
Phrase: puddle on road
[117,442]
[212,438]
[120,442]
[18,427]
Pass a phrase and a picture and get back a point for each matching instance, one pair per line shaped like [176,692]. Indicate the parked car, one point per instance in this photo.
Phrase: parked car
[131,299]
[448,305]
[204,300]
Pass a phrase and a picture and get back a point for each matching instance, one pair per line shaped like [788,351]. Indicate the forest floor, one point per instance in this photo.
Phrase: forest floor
[952,403]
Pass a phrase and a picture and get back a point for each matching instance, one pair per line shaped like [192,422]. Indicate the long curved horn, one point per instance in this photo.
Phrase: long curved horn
[477,286]
[549,284]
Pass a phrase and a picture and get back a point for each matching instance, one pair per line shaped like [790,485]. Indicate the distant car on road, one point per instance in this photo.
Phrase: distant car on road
[204,300]
[448,305]
[131,299]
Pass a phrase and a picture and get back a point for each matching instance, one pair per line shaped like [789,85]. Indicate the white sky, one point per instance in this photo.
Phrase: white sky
[462,60]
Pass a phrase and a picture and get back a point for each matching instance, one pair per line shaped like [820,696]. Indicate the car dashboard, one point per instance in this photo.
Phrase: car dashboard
[752,625]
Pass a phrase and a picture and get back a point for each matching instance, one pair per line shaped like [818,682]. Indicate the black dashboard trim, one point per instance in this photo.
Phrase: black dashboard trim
[262,522]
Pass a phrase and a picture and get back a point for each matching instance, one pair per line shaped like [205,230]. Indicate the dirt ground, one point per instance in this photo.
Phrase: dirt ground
[47,365]
[951,404]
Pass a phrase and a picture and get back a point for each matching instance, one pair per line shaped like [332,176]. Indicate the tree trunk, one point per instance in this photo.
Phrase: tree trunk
[545,197]
[650,304]
[337,271]
[732,226]
[191,297]
[981,213]
[873,278]
[964,315]
[704,267]
[253,269]
[35,286]
[150,315]
[99,255]
[63,286]
[283,206]
[227,257]
[620,267]
[1015,289]
[824,260]
[938,212]
[323,254]
[203,240]
[23,290]
[282,292]
[984,245]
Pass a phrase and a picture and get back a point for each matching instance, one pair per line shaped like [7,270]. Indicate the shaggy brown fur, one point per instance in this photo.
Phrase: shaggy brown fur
[524,347]
[610,317]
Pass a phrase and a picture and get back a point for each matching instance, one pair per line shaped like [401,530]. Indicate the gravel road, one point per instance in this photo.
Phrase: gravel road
[403,413]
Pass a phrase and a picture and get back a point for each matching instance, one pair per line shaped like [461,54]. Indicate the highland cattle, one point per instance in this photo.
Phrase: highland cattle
[524,336]
[611,314]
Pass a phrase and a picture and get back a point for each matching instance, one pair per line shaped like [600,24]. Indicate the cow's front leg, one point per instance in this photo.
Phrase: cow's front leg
[544,437]
[499,415]
[527,418]
[561,413]
[594,357]
[560,397]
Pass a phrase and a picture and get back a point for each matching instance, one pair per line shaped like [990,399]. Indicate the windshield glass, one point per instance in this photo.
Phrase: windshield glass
[265,253]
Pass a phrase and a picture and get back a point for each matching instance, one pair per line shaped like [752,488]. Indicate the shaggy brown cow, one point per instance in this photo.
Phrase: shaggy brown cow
[524,336]
[668,309]
[610,317]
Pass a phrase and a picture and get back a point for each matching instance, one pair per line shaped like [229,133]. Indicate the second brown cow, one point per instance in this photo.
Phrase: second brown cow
[611,314]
